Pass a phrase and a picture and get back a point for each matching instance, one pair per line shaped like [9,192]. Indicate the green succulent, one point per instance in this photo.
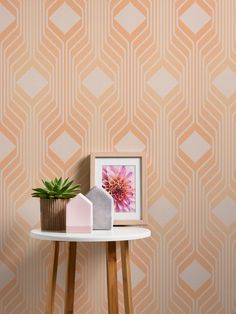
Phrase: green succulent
[57,188]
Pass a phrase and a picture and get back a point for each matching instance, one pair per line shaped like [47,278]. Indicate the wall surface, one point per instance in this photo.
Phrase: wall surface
[153,76]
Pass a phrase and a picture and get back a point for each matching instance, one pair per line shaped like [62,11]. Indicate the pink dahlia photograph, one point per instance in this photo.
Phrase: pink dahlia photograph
[119,181]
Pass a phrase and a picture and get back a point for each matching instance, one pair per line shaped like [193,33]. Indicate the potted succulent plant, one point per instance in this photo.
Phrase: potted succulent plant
[54,195]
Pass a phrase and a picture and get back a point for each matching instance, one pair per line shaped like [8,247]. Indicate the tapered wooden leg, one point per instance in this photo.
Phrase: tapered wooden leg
[70,282]
[52,276]
[127,287]
[112,288]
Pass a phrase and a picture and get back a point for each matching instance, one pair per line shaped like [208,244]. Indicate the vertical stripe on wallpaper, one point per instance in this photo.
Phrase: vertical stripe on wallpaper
[153,76]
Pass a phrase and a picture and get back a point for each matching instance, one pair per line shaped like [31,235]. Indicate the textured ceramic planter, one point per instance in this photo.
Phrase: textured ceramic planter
[53,214]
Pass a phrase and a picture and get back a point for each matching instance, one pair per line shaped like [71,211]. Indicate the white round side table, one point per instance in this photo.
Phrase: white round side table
[110,237]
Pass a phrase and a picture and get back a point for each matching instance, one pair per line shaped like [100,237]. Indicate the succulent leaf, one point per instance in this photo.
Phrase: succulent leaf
[65,182]
[57,188]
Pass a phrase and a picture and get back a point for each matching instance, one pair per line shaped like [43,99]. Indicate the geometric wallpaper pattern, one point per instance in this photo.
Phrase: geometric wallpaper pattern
[153,76]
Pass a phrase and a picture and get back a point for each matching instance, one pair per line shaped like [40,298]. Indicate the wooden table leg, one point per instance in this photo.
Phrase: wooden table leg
[112,288]
[127,287]
[70,282]
[52,276]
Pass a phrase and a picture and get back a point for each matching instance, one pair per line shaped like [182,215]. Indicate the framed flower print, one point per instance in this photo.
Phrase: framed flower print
[121,175]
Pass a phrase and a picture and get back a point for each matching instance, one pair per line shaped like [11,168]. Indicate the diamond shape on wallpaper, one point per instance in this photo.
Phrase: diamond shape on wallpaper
[226,82]
[6,146]
[97,82]
[6,275]
[226,211]
[195,275]
[130,143]
[163,211]
[195,147]
[64,146]
[61,275]
[64,18]
[137,275]
[32,82]
[6,18]
[162,82]
[30,211]
[130,18]
[195,18]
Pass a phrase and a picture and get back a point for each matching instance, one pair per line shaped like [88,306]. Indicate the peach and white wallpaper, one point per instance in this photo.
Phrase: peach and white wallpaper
[153,76]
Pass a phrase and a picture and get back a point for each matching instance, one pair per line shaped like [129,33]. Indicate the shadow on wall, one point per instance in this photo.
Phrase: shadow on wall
[82,174]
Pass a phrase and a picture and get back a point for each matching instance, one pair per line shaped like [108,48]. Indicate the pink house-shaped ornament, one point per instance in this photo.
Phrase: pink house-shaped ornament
[79,215]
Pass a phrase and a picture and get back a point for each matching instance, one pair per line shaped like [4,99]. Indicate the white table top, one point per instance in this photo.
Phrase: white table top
[116,234]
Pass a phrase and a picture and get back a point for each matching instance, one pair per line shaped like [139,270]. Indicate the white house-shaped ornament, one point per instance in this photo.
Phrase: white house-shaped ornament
[103,207]
[79,215]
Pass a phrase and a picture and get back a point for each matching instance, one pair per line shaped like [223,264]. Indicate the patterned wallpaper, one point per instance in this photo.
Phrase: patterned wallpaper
[153,76]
